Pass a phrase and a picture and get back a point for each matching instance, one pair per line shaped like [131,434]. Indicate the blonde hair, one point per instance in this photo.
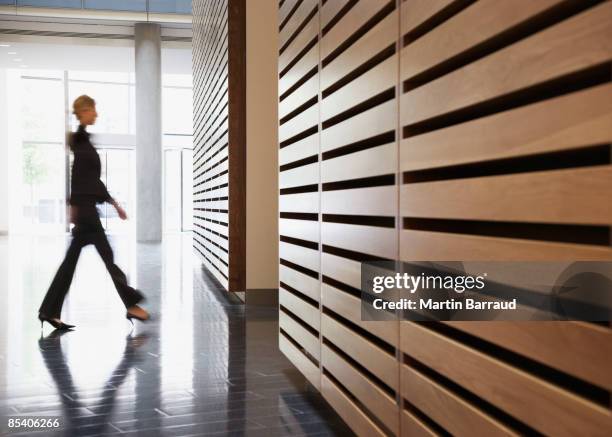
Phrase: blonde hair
[81,103]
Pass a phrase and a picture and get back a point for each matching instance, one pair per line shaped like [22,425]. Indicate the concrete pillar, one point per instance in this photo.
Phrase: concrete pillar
[148,132]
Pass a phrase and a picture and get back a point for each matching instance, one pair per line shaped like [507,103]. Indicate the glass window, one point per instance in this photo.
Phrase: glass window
[112,105]
[177,110]
[172,190]
[43,186]
[51,3]
[7,2]
[170,6]
[42,103]
[117,5]
[187,189]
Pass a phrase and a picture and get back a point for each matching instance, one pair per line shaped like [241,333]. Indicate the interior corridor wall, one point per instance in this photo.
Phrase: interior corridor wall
[443,130]
[219,158]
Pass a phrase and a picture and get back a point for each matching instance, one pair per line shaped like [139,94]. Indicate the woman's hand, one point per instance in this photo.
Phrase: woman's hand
[120,211]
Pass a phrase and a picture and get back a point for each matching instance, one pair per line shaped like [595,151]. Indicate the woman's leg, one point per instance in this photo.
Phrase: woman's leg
[128,295]
[54,299]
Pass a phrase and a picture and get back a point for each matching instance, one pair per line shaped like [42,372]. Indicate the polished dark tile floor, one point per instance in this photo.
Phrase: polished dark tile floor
[206,365]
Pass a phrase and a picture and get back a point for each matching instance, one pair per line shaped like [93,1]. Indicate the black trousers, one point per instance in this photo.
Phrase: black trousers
[87,230]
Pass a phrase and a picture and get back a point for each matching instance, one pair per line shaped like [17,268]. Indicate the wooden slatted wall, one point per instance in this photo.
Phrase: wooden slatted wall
[444,130]
[219,155]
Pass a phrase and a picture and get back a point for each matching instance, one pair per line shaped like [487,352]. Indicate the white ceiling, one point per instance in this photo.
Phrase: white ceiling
[64,53]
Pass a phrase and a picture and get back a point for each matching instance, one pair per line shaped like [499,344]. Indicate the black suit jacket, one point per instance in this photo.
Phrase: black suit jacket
[86,188]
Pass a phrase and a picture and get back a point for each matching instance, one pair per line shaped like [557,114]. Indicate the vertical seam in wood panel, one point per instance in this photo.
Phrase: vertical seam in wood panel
[398,221]
[319,190]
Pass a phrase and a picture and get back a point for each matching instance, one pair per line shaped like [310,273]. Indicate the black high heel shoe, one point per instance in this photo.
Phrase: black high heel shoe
[61,325]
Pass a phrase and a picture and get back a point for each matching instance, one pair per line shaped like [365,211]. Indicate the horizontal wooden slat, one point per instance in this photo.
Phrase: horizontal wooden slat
[330,10]
[450,411]
[299,360]
[415,12]
[365,48]
[303,283]
[305,92]
[304,148]
[303,229]
[349,307]
[369,84]
[285,9]
[299,255]
[378,201]
[368,393]
[303,310]
[580,349]
[298,124]
[296,20]
[342,269]
[360,238]
[300,176]
[543,406]
[296,331]
[412,426]
[375,121]
[299,70]
[376,161]
[376,360]
[562,196]
[574,44]
[458,34]
[351,22]
[301,202]
[346,408]
[571,121]
[306,35]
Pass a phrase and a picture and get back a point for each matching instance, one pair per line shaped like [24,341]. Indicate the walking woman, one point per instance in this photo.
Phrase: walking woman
[87,190]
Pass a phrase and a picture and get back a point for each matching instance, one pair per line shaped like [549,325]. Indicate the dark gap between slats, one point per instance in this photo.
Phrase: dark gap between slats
[304,106]
[378,99]
[364,220]
[299,56]
[368,65]
[435,20]
[360,405]
[376,18]
[509,36]
[576,81]
[477,402]
[437,429]
[355,292]
[299,83]
[298,242]
[299,295]
[358,366]
[210,261]
[299,268]
[570,383]
[347,7]
[358,146]
[349,254]
[299,321]
[557,160]
[362,332]
[563,233]
[289,15]
[299,163]
[299,29]
[312,188]
[299,347]
[313,216]
[372,181]
[304,134]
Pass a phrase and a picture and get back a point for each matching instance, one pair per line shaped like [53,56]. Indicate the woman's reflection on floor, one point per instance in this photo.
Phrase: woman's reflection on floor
[55,361]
